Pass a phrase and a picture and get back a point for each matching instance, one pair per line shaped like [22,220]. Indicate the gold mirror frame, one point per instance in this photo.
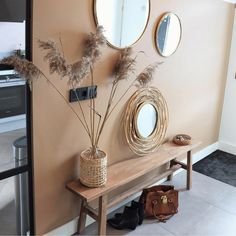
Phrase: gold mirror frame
[136,119]
[157,30]
[138,144]
[108,42]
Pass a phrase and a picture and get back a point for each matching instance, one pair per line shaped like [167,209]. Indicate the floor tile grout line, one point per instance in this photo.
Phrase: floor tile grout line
[226,211]
[214,204]
[210,207]
[168,231]
[198,223]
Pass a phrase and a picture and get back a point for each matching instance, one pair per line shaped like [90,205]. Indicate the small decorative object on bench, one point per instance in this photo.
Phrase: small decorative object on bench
[93,171]
[182,139]
[160,202]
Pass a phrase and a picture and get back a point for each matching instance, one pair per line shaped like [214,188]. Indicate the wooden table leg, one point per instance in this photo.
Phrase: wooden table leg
[189,170]
[82,218]
[102,215]
[170,177]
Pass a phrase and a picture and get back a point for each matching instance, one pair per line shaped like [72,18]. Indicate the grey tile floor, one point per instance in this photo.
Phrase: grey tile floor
[7,207]
[208,209]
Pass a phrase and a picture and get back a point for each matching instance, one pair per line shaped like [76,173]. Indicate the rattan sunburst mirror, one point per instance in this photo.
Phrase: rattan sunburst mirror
[146,120]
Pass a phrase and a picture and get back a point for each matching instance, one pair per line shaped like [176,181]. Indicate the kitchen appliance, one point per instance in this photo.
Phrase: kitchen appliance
[12,95]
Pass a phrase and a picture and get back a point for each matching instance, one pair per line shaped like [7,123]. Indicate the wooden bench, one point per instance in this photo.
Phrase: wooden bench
[123,173]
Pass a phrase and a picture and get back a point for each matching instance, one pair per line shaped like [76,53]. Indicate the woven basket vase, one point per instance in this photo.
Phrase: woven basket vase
[93,171]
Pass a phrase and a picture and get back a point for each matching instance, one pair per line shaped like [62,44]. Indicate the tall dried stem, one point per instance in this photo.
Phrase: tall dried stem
[110,109]
[91,120]
[92,111]
[106,114]
[63,97]
[82,110]
[143,79]
[82,69]
[123,67]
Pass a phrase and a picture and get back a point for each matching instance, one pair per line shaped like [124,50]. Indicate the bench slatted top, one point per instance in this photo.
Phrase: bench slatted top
[126,171]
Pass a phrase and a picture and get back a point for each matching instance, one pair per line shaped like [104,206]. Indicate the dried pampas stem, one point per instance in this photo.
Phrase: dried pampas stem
[146,76]
[24,67]
[82,111]
[57,62]
[124,65]
[29,71]
[78,71]
[92,44]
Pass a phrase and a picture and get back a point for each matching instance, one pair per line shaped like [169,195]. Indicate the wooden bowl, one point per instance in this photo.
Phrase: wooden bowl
[182,139]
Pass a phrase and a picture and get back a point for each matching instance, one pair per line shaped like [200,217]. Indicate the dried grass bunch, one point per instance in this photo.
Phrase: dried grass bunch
[56,60]
[124,65]
[77,72]
[24,67]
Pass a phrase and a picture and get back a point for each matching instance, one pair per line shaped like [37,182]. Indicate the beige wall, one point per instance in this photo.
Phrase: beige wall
[192,81]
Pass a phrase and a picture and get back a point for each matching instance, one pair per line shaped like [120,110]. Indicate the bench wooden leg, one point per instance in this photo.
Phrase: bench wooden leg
[102,215]
[82,218]
[189,170]
[170,177]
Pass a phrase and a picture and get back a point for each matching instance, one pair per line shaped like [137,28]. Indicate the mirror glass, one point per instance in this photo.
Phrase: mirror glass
[168,34]
[124,21]
[147,120]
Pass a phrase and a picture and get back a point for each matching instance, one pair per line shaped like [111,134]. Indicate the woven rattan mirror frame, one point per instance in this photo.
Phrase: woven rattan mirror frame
[138,144]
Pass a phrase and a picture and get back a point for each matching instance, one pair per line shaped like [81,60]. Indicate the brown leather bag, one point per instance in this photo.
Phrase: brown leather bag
[160,202]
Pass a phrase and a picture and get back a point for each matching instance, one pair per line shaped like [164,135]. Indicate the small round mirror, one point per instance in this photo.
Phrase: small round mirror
[124,21]
[146,120]
[168,34]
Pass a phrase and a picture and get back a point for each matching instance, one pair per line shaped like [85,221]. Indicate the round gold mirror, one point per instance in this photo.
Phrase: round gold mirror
[124,21]
[146,120]
[168,34]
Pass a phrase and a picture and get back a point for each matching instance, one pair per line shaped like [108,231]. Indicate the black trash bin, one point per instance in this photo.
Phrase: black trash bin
[21,187]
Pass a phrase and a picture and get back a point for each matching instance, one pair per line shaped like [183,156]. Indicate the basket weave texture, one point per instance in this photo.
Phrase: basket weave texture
[93,171]
[182,139]
[138,144]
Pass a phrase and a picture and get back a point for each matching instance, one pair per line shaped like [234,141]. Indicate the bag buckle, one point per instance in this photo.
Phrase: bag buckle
[164,199]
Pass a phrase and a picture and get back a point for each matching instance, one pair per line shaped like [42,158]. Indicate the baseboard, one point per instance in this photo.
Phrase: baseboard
[70,228]
[205,152]
[201,154]
[227,147]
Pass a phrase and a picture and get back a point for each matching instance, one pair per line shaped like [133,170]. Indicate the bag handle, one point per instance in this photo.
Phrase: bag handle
[158,188]
[162,218]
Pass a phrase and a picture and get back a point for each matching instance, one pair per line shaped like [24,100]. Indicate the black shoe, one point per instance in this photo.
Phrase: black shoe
[135,205]
[128,220]
[140,207]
